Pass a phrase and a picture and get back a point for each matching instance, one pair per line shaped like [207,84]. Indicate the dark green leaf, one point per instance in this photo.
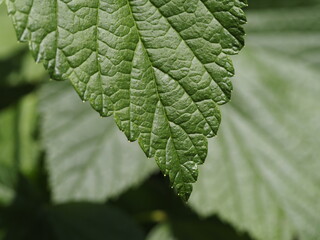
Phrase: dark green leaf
[161,68]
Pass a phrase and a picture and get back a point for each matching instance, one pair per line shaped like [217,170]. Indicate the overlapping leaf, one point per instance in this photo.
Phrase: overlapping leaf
[159,67]
[263,171]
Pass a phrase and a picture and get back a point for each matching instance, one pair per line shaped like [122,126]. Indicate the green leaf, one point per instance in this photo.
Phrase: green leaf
[16,64]
[8,39]
[87,158]
[305,29]
[160,232]
[263,171]
[84,221]
[18,144]
[159,67]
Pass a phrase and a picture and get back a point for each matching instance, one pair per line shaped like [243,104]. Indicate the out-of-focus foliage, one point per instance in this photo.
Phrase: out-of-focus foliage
[288,4]
[266,177]
[163,207]
[8,39]
[265,180]
[84,221]
[161,232]
[19,146]
[16,64]
[32,217]
[86,157]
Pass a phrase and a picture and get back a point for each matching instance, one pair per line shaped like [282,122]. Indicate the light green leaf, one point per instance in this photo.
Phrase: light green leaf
[18,144]
[84,221]
[263,170]
[16,64]
[305,29]
[87,158]
[8,39]
[161,232]
[159,67]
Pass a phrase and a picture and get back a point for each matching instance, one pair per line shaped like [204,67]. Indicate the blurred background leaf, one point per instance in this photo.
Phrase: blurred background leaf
[16,64]
[161,232]
[8,39]
[262,174]
[86,156]
[281,3]
[19,144]
[158,205]
[291,33]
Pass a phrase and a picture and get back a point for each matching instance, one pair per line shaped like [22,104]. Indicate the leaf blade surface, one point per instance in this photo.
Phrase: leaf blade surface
[161,68]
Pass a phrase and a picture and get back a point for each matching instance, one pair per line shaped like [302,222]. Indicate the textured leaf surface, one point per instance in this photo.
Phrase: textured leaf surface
[263,171]
[159,67]
[87,158]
